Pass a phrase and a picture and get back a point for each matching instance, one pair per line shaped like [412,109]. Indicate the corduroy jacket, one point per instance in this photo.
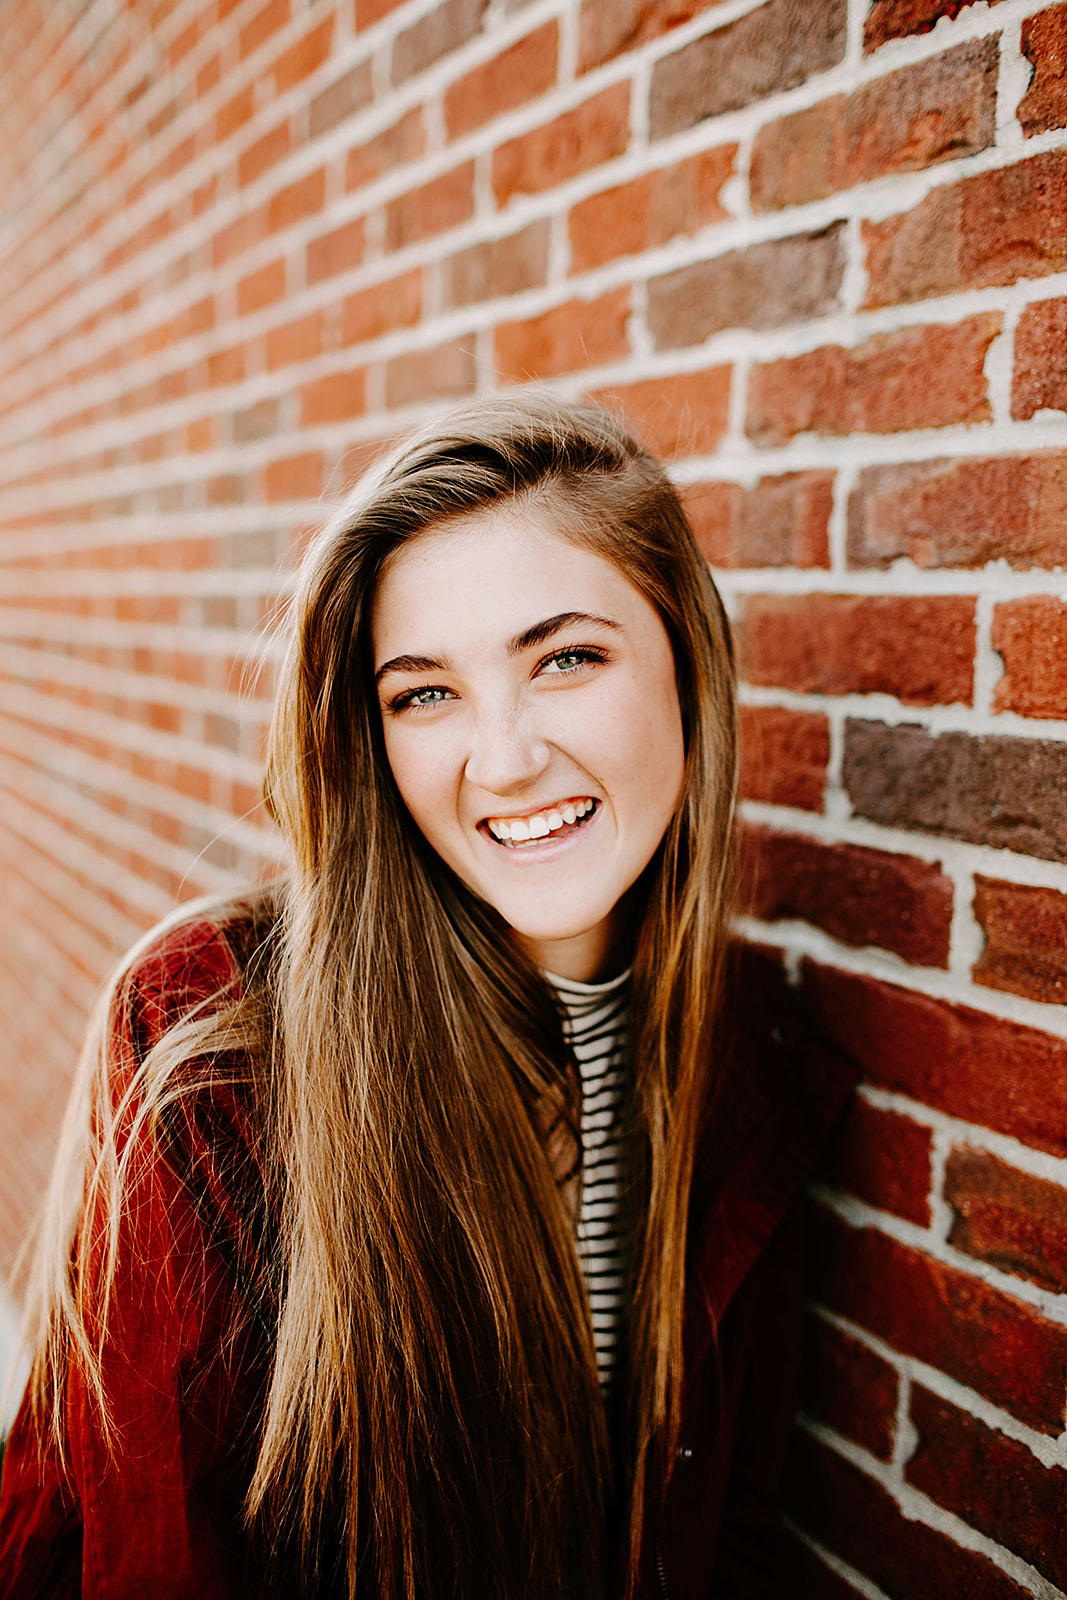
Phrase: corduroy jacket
[188,1353]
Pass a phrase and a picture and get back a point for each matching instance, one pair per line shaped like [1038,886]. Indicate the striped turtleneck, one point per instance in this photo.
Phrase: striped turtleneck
[597,1025]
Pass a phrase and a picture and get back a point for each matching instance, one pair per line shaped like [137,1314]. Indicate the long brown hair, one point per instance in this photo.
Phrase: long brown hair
[434,1392]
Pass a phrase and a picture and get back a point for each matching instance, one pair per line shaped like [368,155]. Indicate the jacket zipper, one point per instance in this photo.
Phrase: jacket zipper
[665,1593]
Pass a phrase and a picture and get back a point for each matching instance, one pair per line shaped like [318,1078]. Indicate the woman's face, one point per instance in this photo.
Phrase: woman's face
[531,722]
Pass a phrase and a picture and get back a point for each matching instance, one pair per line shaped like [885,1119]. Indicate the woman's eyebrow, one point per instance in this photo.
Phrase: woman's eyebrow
[542,631]
[411,664]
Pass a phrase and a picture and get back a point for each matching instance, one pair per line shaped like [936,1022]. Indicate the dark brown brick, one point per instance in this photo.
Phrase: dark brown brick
[896,19]
[1040,378]
[920,649]
[783,756]
[779,281]
[994,1483]
[496,268]
[435,35]
[946,513]
[882,1158]
[1044,44]
[447,371]
[1010,794]
[846,1385]
[650,210]
[594,132]
[981,232]
[684,415]
[342,99]
[938,110]
[775,47]
[1008,1218]
[608,28]
[1025,929]
[782,522]
[809,1576]
[1031,636]
[860,896]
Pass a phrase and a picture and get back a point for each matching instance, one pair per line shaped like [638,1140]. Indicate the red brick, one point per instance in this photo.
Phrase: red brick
[984,231]
[784,755]
[569,338]
[925,377]
[226,366]
[405,141]
[896,19]
[295,341]
[446,372]
[297,200]
[684,415]
[495,268]
[397,303]
[591,134]
[650,210]
[966,1063]
[1025,931]
[304,57]
[1040,378]
[1031,636]
[1044,44]
[985,1339]
[267,20]
[884,1159]
[811,1579]
[294,478]
[937,110]
[849,1387]
[433,208]
[994,1483]
[782,522]
[608,28]
[435,35]
[333,398]
[335,252]
[946,513]
[368,12]
[860,896]
[1008,793]
[855,1518]
[341,99]
[521,73]
[262,288]
[764,286]
[919,649]
[264,154]
[234,114]
[773,48]
[1008,1218]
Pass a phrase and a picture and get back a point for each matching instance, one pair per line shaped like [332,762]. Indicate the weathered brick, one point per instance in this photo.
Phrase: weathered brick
[1007,1217]
[442,373]
[338,251]
[779,281]
[368,12]
[342,99]
[1031,636]
[435,35]
[683,415]
[255,422]
[858,1520]
[986,230]
[569,338]
[784,756]
[882,1158]
[301,59]
[976,1334]
[946,513]
[846,1385]
[1025,931]
[432,208]
[966,1063]
[267,20]
[934,111]
[920,649]
[405,141]
[608,28]
[1040,378]
[782,522]
[896,19]
[496,268]
[775,47]
[396,303]
[333,398]
[650,210]
[294,478]
[299,340]
[925,377]
[594,132]
[860,896]
[1044,44]
[993,1482]
[1008,793]
[516,75]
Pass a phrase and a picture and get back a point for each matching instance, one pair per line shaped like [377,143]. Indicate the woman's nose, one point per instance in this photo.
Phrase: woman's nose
[507,753]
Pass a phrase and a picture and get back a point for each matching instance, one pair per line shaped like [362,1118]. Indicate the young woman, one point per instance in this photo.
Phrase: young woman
[421,1228]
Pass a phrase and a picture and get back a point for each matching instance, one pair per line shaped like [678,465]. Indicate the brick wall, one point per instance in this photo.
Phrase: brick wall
[817,249]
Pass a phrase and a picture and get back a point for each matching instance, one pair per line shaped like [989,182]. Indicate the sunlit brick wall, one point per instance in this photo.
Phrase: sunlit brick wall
[817,250]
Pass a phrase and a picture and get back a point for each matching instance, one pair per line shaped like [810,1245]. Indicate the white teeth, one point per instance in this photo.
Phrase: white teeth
[500,829]
[568,813]
[538,827]
[520,830]
[554,820]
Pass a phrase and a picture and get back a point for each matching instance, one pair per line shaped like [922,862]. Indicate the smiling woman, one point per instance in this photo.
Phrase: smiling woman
[422,1228]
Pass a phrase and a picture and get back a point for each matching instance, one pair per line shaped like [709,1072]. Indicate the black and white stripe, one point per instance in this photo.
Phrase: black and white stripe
[597,1023]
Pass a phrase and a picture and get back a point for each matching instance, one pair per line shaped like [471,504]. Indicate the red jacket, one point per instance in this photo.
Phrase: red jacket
[165,1520]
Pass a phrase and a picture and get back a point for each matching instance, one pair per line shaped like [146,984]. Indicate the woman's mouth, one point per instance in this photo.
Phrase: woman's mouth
[563,818]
